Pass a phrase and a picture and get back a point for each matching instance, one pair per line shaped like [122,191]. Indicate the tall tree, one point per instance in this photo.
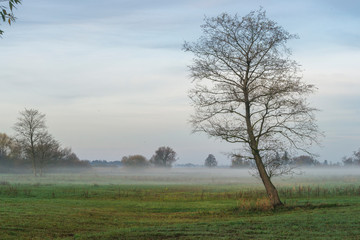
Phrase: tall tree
[6,11]
[247,90]
[30,128]
[163,157]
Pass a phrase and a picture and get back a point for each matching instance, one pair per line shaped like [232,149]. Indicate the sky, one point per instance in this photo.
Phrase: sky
[113,81]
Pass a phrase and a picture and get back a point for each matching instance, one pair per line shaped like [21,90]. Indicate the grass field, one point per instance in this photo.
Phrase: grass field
[178,204]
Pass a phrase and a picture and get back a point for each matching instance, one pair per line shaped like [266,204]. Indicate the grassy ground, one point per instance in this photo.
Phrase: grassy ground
[141,206]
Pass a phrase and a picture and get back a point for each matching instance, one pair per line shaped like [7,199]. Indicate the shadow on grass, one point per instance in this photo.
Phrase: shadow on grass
[285,208]
[309,206]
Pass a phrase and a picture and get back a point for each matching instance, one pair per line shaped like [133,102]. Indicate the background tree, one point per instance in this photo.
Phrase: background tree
[210,161]
[285,158]
[15,155]
[305,160]
[135,161]
[66,158]
[6,145]
[353,160]
[163,157]
[348,161]
[6,11]
[30,128]
[46,150]
[247,89]
[238,161]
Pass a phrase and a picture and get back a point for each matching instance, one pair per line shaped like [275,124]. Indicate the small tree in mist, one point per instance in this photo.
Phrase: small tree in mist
[353,160]
[33,142]
[163,157]
[66,158]
[247,90]
[47,150]
[210,161]
[6,11]
[238,161]
[304,160]
[135,161]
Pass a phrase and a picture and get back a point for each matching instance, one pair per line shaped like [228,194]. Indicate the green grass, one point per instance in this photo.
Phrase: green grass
[88,207]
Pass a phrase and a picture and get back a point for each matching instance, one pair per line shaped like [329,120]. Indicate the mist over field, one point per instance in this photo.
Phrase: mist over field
[180,175]
[163,203]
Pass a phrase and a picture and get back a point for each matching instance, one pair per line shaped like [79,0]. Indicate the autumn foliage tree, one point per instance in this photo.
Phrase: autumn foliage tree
[6,147]
[248,91]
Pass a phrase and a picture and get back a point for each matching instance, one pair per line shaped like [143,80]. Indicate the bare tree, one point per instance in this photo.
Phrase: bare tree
[210,161]
[247,90]
[46,150]
[163,157]
[30,128]
[6,11]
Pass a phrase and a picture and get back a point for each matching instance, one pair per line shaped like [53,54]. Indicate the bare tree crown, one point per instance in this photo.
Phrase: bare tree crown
[30,125]
[244,80]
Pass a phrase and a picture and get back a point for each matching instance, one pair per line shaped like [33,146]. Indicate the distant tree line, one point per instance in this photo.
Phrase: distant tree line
[104,163]
[352,160]
[33,147]
[163,157]
[238,161]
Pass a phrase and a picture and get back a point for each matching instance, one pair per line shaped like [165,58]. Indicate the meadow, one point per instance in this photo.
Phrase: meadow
[178,204]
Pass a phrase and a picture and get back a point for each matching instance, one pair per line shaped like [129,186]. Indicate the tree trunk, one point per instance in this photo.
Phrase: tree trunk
[269,186]
[34,166]
[33,157]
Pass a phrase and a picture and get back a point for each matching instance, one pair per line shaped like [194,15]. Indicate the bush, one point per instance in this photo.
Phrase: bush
[135,161]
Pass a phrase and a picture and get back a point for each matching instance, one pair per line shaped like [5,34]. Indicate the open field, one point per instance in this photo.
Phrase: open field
[178,204]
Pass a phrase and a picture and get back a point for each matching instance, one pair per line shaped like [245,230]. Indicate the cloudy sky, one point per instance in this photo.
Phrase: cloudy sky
[112,79]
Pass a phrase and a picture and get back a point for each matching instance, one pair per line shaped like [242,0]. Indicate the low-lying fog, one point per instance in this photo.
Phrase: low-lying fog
[224,175]
[119,175]
[202,172]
